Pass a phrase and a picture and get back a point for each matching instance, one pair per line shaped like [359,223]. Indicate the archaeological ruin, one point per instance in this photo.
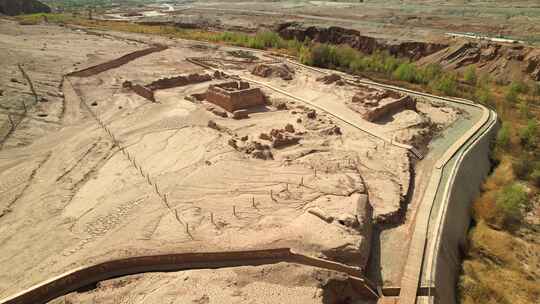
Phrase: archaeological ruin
[234,95]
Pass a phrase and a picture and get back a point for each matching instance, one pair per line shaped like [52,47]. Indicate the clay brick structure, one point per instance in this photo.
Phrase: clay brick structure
[147,91]
[374,104]
[144,92]
[172,82]
[234,95]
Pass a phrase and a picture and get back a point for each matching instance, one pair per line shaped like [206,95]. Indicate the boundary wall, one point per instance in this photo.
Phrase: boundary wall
[86,276]
[115,63]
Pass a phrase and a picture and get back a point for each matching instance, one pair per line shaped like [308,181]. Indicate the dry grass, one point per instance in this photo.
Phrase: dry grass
[501,269]
[484,207]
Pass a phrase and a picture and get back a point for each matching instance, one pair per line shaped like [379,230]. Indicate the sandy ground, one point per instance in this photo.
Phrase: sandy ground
[69,197]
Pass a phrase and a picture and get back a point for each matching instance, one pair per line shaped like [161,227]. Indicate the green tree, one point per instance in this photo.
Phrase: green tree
[446,84]
[470,75]
[511,95]
[519,86]
[406,72]
[503,137]
[483,95]
[510,202]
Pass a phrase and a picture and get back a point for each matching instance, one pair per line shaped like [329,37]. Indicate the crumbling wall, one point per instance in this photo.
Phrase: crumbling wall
[384,109]
[147,91]
[112,64]
[172,82]
[144,92]
[78,278]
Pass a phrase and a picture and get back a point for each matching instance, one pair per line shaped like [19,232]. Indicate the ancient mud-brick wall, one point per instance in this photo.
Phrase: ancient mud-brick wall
[81,277]
[94,70]
[147,91]
[404,103]
[167,83]
[144,92]
[234,96]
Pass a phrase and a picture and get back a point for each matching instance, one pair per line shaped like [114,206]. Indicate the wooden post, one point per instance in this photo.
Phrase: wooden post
[253,202]
[234,210]
[212,218]
[301,181]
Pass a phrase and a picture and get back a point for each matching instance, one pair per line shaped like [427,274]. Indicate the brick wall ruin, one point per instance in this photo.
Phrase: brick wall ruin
[374,104]
[167,83]
[387,108]
[147,91]
[144,92]
[102,67]
[234,95]
[83,276]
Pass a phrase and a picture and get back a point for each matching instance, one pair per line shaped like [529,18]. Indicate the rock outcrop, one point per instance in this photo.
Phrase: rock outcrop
[20,7]
[338,35]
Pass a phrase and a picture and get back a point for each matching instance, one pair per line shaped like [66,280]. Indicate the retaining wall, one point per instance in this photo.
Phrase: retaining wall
[473,169]
[84,276]
[102,67]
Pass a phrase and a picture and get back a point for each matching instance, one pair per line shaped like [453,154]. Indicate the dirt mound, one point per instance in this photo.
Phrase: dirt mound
[265,70]
[353,38]
[19,7]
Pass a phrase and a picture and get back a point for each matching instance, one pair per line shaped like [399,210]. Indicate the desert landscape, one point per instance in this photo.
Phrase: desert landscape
[141,168]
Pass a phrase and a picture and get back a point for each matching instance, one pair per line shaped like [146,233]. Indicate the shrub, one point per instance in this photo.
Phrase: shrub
[510,202]
[323,55]
[446,84]
[483,95]
[535,176]
[344,55]
[470,75]
[529,134]
[524,110]
[304,55]
[429,73]
[522,166]
[503,137]
[511,95]
[406,72]
[519,87]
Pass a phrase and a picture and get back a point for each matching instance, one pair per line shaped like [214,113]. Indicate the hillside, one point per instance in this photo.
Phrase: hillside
[19,7]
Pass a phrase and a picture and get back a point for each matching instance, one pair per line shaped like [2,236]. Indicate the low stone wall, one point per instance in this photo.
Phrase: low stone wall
[384,109]
[102,67]
[473,169]
[73,280]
